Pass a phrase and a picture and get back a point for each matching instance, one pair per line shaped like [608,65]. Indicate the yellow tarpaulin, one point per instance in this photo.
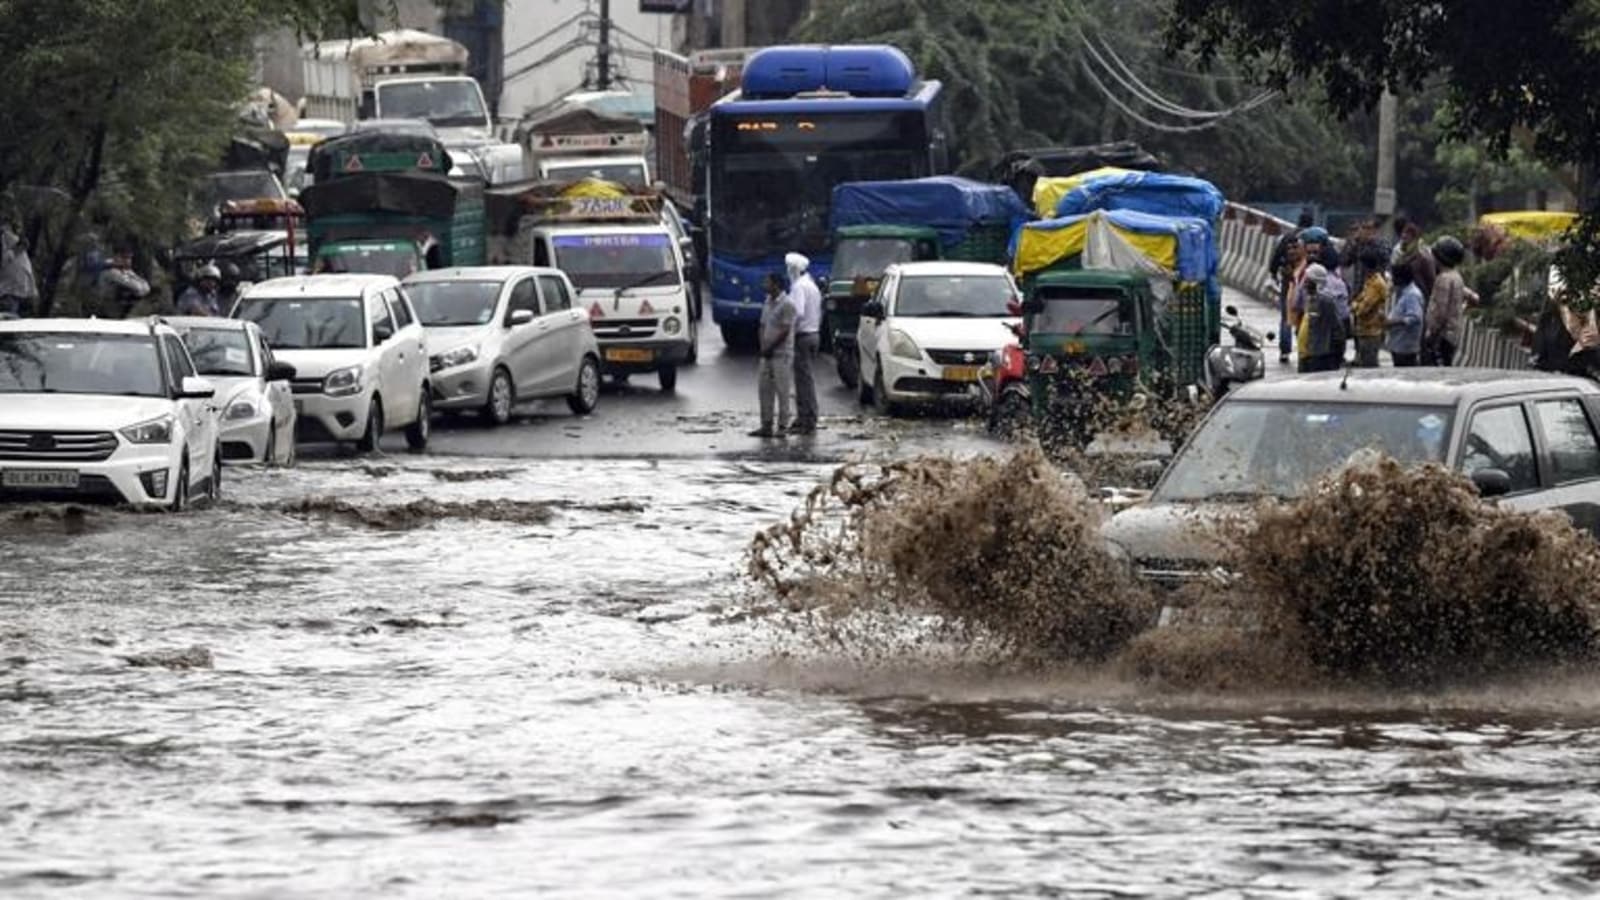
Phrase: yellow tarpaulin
[1531,225]
[595,188]
[1039,248]
[1049,190]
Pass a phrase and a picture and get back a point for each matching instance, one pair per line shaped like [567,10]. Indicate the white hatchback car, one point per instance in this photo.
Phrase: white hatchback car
[931,328]
[107,410]
[502,334]
[258,418]
[358,351]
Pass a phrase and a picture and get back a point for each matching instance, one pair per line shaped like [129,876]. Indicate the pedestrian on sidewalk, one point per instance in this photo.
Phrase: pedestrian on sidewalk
[775,372]
[1324,329]
[1447,306]
[1288,273]
[1405,316]
[807,300]
[1371,307]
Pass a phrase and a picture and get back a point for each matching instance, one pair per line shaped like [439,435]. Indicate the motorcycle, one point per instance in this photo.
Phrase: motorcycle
[1227,367]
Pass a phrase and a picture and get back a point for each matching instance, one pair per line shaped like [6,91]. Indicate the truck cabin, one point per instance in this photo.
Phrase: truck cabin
[862,253]
[450,101]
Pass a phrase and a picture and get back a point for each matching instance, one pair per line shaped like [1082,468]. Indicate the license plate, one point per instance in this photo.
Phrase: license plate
[39,478]
[622,354]
[962,373]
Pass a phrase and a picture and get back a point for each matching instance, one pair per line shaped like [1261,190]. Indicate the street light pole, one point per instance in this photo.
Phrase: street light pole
[603,56]
[1384,200]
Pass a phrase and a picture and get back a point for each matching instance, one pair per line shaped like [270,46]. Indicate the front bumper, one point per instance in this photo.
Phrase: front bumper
[245,440]
[322,419]
[462,387]
[626,357]
[132,475]
[922,381]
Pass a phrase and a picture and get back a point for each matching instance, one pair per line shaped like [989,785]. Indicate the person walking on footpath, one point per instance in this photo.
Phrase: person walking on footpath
[1371,307]
[18,290]
[775,373]
[1446,308]
[1405,316]
[1288,273]
[807,300]
[1323,328]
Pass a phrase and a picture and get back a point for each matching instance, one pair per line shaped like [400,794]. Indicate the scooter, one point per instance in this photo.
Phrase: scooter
[1227,367]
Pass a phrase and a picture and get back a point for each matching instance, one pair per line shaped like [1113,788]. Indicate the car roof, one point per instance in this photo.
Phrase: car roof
[477,273]
[216,322]
[1412,386]
[79,326]
[946,267]
[346,285]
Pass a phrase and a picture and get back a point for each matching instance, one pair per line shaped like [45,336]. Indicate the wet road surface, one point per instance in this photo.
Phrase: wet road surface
[499,670]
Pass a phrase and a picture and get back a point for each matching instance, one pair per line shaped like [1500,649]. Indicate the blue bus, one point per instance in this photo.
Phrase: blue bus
[806,118]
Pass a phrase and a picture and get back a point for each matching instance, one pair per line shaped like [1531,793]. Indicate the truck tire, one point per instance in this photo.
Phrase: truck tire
[739,337]
[669,379]
[849,366]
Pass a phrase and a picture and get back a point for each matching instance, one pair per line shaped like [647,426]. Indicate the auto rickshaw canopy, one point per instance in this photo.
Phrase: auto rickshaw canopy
[1537,225]
[1180,247]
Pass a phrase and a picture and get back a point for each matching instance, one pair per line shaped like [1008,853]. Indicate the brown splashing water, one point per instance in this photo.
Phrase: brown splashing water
[1379,575]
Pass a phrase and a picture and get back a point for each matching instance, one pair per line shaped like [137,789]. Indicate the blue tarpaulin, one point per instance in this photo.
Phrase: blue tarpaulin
[1195,250]
[1157,193]
[949,205]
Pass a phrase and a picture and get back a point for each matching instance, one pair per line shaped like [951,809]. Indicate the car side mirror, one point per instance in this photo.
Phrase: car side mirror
[1491,483]
[872,309]
[381,333]
[1019,330]
[1013,307]
[1147,473]
[280,371]
[518,317]
[195,388]
[1231,310]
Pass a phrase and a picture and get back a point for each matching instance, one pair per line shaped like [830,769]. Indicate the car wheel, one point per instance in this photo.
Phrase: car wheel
[502,395]
[292,454]
[694,344]
[269,457]
[214,486]
[849,366]
[864,391]
[669,379]
[374,434]
[880,396]
[586,396]
[180,490]
[417,432]
[1012,417]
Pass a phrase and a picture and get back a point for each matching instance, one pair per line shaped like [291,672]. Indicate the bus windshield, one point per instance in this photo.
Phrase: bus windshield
[446,103]
[773,176]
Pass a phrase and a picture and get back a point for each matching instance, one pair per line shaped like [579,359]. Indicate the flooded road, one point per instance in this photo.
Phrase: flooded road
[282,699]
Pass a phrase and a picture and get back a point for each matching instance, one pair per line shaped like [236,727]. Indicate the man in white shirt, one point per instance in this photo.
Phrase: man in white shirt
[807,299]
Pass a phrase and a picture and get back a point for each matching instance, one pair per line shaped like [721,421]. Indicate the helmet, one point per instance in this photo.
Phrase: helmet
[1316,234]
[1448,250]
[230,272]
[209,270]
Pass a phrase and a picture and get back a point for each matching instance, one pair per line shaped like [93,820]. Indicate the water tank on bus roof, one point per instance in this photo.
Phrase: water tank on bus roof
[861,69]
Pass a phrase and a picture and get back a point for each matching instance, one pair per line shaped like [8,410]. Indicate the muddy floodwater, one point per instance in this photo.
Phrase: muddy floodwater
[483,679]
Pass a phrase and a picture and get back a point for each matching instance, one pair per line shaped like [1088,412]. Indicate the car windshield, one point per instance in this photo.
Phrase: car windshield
[444,304]
[631,174]
[398,260]
[1097,313]
[52,362]
[307,323]
[220,351]
[454,102]
[1250,449]
[617,260]
[954,296]
[868,257]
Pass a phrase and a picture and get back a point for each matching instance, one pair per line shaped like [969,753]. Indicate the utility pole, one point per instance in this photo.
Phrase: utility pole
[1384,200]
[603,56]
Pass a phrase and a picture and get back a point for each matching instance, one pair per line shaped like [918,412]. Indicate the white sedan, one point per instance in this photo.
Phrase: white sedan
[253,394]
[930,329]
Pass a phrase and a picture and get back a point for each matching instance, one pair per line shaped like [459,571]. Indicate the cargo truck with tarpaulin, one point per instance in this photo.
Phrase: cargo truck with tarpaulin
[573,142]
[381,204]
[878,223]
[804,120]
[626,265]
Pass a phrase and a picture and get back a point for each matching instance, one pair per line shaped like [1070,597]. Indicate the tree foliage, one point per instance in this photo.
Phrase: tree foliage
[1514,73]
[1015,78]
[113,106]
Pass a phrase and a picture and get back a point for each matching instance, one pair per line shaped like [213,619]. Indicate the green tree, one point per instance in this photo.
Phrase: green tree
[1515,74]
[113,106]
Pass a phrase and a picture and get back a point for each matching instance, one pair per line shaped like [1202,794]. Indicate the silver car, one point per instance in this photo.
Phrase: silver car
[501,335]
[254,402]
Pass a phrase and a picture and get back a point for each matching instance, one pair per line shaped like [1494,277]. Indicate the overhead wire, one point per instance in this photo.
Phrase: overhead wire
[1125,77]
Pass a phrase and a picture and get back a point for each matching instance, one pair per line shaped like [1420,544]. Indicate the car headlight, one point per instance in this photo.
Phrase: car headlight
[155,431]
[240,409]
[342,382]
[902,346]
[671,325]
[457,357]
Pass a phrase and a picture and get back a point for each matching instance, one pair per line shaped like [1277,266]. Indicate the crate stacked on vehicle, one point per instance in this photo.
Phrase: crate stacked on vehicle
[1193,330]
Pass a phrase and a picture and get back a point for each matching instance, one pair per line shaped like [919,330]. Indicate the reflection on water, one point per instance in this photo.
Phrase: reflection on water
[503,706]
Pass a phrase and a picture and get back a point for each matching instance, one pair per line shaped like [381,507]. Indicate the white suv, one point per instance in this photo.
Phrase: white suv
[361,365]
[109,410]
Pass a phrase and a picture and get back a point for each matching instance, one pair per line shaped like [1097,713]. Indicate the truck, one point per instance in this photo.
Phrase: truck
[401,74]
[685,87]
[878,223]
[627,266]
[382,204]
[572,142]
